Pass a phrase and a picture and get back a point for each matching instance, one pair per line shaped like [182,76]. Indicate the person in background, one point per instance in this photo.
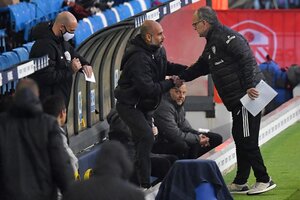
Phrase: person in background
[110,176]
[277,78]
[33,162]
[176,136]
[227,56]
[55,106]
[64,61]
[140,87]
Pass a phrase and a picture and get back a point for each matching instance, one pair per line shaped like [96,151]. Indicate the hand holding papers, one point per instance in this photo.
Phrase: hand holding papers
[91,79]
[266,94]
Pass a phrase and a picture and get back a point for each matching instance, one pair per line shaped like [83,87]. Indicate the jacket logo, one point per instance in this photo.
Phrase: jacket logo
[67,56]
[230,38]
[213,48]
[261,38]
[219,62]
[209,56]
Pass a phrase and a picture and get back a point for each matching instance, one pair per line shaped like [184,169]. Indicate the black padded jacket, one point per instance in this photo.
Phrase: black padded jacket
[227,56]
[144,68]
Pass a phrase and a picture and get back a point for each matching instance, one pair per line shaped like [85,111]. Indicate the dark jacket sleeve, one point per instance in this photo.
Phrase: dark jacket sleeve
[174,68]
[242,53]
[142,77]
[199,68]
[52,73]
[59,159]
[164,118]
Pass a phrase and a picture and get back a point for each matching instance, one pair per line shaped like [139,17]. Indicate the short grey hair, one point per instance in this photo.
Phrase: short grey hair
[208,14]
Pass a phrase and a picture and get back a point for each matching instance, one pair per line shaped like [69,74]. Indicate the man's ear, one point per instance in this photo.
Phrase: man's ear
[148,38]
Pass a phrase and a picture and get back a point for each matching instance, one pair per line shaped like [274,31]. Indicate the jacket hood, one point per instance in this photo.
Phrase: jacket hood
[26,104]
[113,160]
[44,31]
[135,45]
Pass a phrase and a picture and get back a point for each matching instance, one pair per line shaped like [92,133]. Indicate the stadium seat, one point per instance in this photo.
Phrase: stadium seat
[137,8]
[96,22]
[129,7]
[20,14]
[22,53]
[4,62]
[12,57]
[82,32]
[110,17]
[123,11]
[28,46]
[205,191]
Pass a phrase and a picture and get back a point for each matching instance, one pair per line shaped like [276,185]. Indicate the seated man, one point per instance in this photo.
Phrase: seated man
[176,136]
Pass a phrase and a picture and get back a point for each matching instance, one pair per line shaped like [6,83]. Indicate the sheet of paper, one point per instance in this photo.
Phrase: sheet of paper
[266,94]
[91,79]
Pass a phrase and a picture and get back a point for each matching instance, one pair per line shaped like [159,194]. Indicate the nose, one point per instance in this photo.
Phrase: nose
[163,36]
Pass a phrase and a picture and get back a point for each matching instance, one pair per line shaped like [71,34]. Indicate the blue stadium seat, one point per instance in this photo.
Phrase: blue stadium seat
[110,17]
[82,32]
[19,14]
[22,53]
[28,46]
[43,8]
[12,57]
[137,8]
[97,23]
[4,62]
[124,11]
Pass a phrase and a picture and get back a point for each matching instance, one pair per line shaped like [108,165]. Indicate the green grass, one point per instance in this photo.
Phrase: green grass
[282,159]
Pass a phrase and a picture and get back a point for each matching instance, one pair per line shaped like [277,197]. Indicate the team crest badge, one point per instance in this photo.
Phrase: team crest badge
[261,38]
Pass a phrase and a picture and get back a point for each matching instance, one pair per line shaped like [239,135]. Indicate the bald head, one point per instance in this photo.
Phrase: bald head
[64,22]
[152,33]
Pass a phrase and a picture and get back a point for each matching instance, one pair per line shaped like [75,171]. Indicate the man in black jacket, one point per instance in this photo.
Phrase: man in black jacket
[141,84]
[33,162]
[64,61]
[176,136]
[227,56]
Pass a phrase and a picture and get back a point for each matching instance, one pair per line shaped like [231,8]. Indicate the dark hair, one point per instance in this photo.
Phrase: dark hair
[208,14]
[53,105]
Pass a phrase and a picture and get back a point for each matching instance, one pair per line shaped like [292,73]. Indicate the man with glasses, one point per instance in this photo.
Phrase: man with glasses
[228,58]
[64,61]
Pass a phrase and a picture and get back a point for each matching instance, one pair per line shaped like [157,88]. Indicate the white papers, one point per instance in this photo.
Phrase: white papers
[266,94]
[91,79]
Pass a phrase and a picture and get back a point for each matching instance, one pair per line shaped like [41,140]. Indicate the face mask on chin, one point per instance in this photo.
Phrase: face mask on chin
[67,36]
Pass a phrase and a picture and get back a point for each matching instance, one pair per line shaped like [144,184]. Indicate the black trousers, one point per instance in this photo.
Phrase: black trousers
[140,124]
[245,131]
[183,150]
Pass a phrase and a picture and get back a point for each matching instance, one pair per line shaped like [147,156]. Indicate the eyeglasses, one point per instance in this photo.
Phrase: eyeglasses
[196,23]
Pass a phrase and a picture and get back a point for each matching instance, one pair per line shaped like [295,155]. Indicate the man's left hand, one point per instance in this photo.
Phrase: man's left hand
[252,93]
[88,70]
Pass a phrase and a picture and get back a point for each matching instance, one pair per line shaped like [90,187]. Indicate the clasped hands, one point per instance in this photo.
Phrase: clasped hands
[177,81]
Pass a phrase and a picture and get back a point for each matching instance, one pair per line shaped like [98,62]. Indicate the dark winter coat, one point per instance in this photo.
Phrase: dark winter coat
[144,69]
[33,162]
[171,123]
[227,56]
[57,78]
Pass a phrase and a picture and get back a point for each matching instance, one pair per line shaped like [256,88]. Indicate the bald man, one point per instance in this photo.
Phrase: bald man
[140,87]
[64,61]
